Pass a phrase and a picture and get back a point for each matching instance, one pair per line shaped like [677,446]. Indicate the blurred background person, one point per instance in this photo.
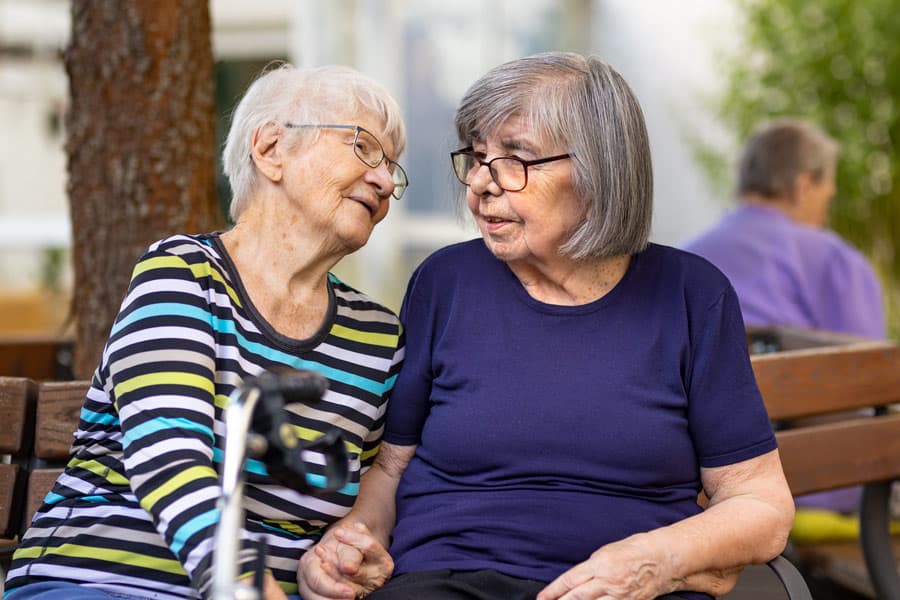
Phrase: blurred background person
[787,268]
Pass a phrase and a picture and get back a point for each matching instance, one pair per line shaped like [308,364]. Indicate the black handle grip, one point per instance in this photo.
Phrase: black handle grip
[283,456]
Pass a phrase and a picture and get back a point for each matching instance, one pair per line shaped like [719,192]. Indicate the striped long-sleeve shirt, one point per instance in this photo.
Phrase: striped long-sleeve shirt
[135,510]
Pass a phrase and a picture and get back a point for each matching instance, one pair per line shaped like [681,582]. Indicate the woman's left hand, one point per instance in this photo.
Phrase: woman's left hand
[348,562]
[625,570]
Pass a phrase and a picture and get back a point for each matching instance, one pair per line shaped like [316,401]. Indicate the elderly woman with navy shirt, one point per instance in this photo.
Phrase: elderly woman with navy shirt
[569,388]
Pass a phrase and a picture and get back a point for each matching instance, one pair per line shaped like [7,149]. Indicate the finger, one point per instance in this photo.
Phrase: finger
[318,578]
[349,559]
[569,580]
[325,553]
[363,541]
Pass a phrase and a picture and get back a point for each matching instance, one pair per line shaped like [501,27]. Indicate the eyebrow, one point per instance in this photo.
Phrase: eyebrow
[510,145]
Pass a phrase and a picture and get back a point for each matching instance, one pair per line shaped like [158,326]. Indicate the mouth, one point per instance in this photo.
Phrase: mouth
[369,204]
[491,220]
[495,224]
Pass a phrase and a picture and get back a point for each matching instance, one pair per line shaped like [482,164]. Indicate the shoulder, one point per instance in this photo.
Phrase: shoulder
[191,248]
[185,248]
[838,250]
[675,268]
[453,264]
[359,306]
[463,254]
[182,256]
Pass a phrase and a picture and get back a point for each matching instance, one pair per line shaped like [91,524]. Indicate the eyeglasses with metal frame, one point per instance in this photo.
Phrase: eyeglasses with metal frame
[508,172]
[369,150]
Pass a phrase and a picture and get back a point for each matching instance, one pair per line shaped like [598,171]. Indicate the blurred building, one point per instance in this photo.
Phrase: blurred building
[427,52]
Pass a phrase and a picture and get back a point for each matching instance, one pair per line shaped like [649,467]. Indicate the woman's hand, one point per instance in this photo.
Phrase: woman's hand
[625,570]
[347,563]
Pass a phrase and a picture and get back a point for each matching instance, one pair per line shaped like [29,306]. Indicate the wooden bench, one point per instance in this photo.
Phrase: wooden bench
[38,422]
[816,374]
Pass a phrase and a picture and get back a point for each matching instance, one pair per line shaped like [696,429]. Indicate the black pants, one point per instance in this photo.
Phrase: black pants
[445,584]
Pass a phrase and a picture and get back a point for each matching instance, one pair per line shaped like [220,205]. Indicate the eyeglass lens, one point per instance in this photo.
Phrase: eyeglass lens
[369,150]
[508,173]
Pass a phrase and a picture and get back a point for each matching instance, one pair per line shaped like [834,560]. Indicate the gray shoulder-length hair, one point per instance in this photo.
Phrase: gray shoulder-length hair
[781,151]
[583,105]
[301,95]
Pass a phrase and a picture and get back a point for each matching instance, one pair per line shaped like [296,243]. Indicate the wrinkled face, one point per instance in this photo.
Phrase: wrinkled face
[336,192]
[530,225]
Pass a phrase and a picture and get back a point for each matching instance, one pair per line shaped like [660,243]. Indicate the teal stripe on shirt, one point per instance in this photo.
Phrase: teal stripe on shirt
[197,524]
[99,418]
[227,326]
[160,309]
[163,424]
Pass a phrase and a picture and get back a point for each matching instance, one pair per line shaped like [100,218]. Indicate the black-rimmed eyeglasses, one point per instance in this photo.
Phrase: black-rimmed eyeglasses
[368,150]
[508,172]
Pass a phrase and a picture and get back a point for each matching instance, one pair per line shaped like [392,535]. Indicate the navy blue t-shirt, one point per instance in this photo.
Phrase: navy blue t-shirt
[547,431]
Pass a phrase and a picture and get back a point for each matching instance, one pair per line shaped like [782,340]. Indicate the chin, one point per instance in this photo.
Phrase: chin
[354,242]
[504,252]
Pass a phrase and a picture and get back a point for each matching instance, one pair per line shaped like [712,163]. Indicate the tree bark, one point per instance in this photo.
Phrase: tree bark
[140,145]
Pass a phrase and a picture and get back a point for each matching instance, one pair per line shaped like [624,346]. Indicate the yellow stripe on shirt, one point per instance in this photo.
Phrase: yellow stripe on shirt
[387,340]
[181,479]
[105,554]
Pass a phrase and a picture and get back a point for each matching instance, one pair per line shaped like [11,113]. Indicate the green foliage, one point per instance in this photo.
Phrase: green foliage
[837,63]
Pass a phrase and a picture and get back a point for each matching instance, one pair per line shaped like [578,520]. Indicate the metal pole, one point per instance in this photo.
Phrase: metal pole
[238,414]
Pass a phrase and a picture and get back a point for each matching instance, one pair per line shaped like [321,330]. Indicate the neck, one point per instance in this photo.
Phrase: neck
[786,205]
[273,242]
[571,283]
[284,269]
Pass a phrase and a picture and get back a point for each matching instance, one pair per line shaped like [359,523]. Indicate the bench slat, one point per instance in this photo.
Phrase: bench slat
[10,496]
[16,414]
[39,483]
[58,409]
[822,457]
[826,380]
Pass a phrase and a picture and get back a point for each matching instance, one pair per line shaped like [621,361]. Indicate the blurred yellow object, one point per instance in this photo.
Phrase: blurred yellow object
[815,525]
[37,312]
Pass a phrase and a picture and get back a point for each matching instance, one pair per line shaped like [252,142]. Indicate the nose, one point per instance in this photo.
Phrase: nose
[381,177]
[481,182]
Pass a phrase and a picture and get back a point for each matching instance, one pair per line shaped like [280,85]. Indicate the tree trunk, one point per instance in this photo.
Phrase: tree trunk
[141,146]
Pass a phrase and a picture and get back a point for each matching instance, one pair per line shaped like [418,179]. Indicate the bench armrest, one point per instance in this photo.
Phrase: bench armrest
[875,539]
[790,578]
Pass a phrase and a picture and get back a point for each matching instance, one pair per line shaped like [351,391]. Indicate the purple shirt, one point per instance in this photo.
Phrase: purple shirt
[786,273]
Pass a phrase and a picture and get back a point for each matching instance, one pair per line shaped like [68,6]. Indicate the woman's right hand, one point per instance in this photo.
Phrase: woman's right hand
[347,563]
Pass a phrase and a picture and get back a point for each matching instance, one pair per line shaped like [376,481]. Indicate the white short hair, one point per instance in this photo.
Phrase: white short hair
[301,95]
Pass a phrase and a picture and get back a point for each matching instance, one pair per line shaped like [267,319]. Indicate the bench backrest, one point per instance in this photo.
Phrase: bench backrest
[837,398]
[38,357]
[858,380]
[39,420]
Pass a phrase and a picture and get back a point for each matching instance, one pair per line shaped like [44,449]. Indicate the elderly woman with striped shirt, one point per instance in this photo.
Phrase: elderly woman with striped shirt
[311,160]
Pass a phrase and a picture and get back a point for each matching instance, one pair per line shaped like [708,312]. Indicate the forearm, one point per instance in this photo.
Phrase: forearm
[706,552]
[375,506]
[747,521]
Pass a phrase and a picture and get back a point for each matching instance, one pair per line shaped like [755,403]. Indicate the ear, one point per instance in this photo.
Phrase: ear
[266,150]
[802,184]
